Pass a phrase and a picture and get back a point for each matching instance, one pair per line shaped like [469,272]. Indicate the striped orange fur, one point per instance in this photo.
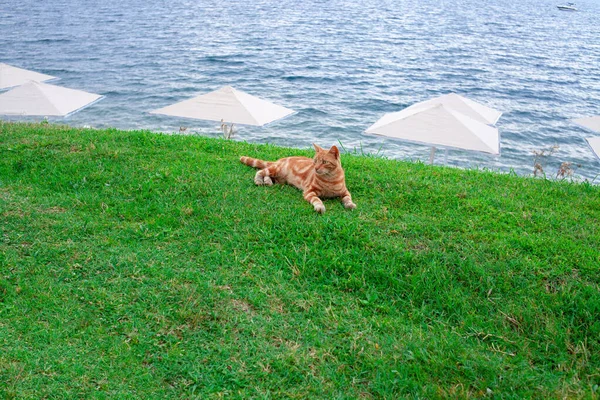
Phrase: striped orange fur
[322,176]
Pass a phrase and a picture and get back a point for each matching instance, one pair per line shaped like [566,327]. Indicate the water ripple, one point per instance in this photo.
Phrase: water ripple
[341,64]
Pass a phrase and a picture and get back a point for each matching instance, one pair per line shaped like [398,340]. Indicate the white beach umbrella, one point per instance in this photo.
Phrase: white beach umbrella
[591,123]
[43,99]
[437,124]
[594,143]
[468,107]
[12,76]
[227,105]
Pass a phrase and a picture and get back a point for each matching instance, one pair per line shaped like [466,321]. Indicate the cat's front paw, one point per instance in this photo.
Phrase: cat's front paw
[320,208]
[350,205]
[262,180]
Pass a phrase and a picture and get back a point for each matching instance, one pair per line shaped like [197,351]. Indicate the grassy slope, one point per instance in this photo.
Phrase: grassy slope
[145,265]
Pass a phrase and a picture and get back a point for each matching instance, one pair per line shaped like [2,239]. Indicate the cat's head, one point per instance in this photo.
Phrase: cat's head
[326,161]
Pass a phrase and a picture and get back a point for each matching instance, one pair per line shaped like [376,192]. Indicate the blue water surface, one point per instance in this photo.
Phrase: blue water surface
[341,64]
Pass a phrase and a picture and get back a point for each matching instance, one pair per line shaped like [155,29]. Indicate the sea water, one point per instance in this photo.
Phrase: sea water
[340,64]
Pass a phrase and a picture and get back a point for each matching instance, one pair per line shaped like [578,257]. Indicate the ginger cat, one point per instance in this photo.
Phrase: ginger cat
[321,176]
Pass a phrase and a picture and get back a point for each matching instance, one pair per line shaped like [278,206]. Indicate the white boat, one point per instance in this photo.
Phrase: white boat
[567,7]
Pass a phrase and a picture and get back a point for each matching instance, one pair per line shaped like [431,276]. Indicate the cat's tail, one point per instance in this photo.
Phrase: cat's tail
[255,162]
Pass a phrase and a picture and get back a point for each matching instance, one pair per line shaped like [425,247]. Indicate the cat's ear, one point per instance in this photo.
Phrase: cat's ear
[317,147]
[334,150]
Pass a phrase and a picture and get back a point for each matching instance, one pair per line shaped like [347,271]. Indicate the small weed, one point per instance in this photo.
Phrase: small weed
[361,152]
[541,158]
[228,130]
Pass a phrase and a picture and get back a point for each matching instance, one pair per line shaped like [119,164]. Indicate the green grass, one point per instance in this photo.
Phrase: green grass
[141,265]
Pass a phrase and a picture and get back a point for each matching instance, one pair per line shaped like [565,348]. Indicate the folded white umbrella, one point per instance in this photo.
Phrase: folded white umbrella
[438,125]
[12,76]
[43,99]
[470,108]
[594,143]
[591,123]
[227,105]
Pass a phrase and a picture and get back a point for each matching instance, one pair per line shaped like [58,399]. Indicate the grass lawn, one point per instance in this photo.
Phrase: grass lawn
[141,265]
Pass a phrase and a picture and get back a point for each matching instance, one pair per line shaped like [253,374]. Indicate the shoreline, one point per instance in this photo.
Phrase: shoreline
[559,170]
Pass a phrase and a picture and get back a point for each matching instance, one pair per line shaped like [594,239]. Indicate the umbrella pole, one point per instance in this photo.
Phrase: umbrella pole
[432,155]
